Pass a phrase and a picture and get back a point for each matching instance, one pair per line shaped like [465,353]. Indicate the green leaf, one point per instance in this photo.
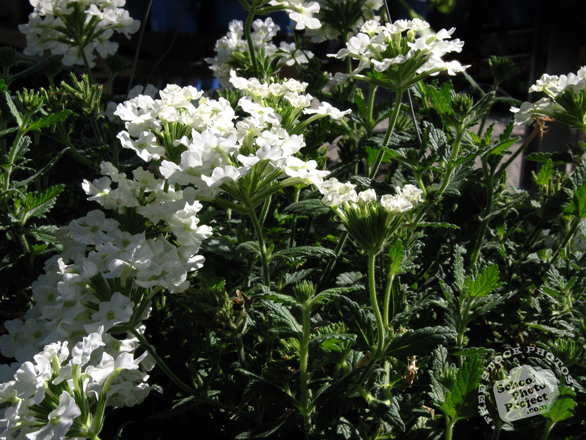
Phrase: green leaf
[329,342]
[8,131]
[13,110]
[348,278]
[45,234]
[396,254]
[502,68]
[299,275]
[485,283]
[505,141]
[420,342]
[49,120]
[37,205]
[462,401]
[359,321]
[578,177]
[563,407]
[480,109]
[303,252]
[312,207]
[268,430]
[20,149]
[249,248]
[545,173]
[283,323]
[577,206]
[333,294]
[557,158]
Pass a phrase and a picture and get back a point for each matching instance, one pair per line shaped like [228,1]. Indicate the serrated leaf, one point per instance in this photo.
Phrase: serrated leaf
[280,298]
[420,342]
[8,131]
[18,151]
[389,412]
[462,401]
[49,120]
[359,321]
[328,342]
[332,294]
[37,205]
[483,284]
[303,252]
[299,275]
[396,254]
[552,330]
[45,234]
[459,271]
[13,110]
[348,278]
[313,207]
[545,173]
[283,323]
[249,247]
[578,177]
[268,430]
[563,407]
[577,205]
[480,109]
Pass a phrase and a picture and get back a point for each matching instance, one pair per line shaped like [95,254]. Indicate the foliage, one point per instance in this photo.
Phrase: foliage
[225,277]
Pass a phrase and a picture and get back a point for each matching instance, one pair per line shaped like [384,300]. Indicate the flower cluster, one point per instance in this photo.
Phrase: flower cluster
[50,396]
[300,12]
[75,29]
[369,222]
[340,16]
[214,146]
[397,52]
[564,95]
[233,45]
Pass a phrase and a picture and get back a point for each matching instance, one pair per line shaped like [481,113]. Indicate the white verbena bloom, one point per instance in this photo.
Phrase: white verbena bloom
[59,26]
[59,420]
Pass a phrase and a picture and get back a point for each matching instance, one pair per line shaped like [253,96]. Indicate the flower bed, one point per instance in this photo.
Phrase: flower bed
[208,270]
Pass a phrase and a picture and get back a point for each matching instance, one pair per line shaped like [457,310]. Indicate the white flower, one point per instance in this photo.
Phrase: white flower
[116,311]
[59,420]
[326,109]
[53,26]
[411,193]
[395,204]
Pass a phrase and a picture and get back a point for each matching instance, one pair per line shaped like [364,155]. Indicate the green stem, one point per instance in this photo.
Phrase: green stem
[564,243]
[374,301]
[484,224]
[450,166]
[248,33]
[303,373]
[484,118]
[449,427]
[262,246]
[370,122]
[392,121]
[548,427]
[504,167]
[387,299]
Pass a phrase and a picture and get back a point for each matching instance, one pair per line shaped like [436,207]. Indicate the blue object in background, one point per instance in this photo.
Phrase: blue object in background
[216,16]
[400,12]
[166,14]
